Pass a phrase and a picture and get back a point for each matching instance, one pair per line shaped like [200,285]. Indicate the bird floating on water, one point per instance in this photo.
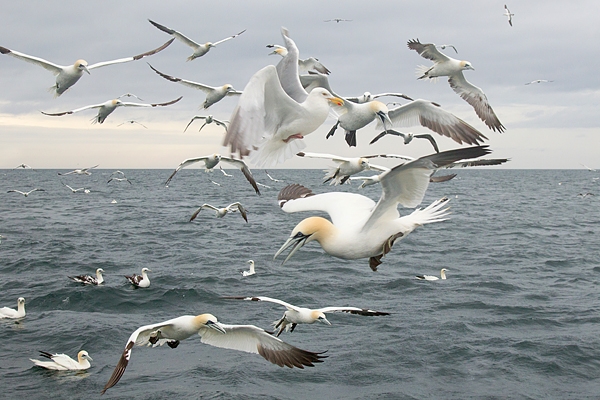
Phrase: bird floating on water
[453,69]
[6,312]
[26,193]
[221,212]
[62,362]
[300,315]
[68,75]
[199,49]
[359,227]
[431,277]
[247,338]
[251,271]
[89,280]
[142,280]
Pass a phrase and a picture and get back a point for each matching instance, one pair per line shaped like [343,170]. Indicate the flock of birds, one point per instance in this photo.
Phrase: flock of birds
[280,106]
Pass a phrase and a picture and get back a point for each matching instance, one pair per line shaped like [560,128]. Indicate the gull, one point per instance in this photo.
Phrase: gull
[26,193]
[346,167]
[140,280]
[211,161]
[213,94]
[354,116]
[209,119]
[132,121]
[89,280]
[368,96]
[11,313]
[443,47]
[251,271]
[129,95]
[408,137]
[106,108]
[24,166]
[221,212]
[67,76]
[271,178]
[359,227]
[247,338]
[62,362]
[539,81]
[76,190]
[199,49]
[452,68]
[304,65]
[337,20]
[223,171]
[508,14]
[119,180]
[300,315]
[83,171]
[431,277]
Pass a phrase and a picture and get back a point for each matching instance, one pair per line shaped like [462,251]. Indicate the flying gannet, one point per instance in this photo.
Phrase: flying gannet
[221,212]
[347,166]
[26,193]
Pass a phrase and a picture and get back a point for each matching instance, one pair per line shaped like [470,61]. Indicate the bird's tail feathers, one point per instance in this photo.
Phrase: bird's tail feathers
[435,212]
[273,152]
[421,72]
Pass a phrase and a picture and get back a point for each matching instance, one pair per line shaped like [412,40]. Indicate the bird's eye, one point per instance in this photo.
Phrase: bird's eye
[298,235]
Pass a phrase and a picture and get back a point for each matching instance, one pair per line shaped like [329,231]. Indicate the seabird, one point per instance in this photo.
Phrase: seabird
[271,178]
[431,277]
[368,96]
[119,180]
[11,313]
[209,119]
[62,362]
[199,49]
[132,121]
[223,171]
[268,120]
[408,137]
[221,212]
[347,166]
[26,193]
[251,271]
[508,14]
[213,94]
[338,20]
[89,280]
[539,81]
[247,338]
[453,69]
[106,108]
[67,76]
[443,47]
[24,166]
[300,315]
[304,65]
[76,190]
[140,280]
[130,95]
[211,161]
[354,116]
[359,227]
[83,171]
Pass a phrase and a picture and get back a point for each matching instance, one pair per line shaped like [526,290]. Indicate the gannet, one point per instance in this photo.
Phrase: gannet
[508,14]
[130,95]
[67,76]
[132,121]
[247,338]
[211,161]
[221,212]
[26,193]
[301,315]
[24,166]
[347,166]
[76,190]
[106,108]
[360,228]
[83,171]
[539,81]
[452,68]
[11,313]
[62,362]
[223,171]
[368,96]
[251,271]
[140,280]
[304,65]
[431,277]
[271,178]
[443,47]
[89,280]
[124,179]
[199,49]
[213,94]
[354,116]
[208,119]
[338,20]
[408,137]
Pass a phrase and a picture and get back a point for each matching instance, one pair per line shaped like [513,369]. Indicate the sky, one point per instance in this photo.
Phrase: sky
[551,125]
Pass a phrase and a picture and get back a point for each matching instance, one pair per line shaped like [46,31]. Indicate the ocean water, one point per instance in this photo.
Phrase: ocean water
[518,316]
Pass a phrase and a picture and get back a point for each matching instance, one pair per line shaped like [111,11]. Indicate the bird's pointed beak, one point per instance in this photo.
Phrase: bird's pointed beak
[297,241]
[216,326]
[325,321]
[85,69]
[89,358]
[337,101]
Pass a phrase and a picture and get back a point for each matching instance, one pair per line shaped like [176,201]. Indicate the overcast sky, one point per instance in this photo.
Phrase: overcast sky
[551,125]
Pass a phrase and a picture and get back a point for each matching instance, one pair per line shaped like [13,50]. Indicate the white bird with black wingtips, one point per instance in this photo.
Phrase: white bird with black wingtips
[11,313]
[432,277]
[88,279]
[62,362]
[142,280]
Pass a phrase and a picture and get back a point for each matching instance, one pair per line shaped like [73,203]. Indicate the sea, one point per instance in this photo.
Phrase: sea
[518,316]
